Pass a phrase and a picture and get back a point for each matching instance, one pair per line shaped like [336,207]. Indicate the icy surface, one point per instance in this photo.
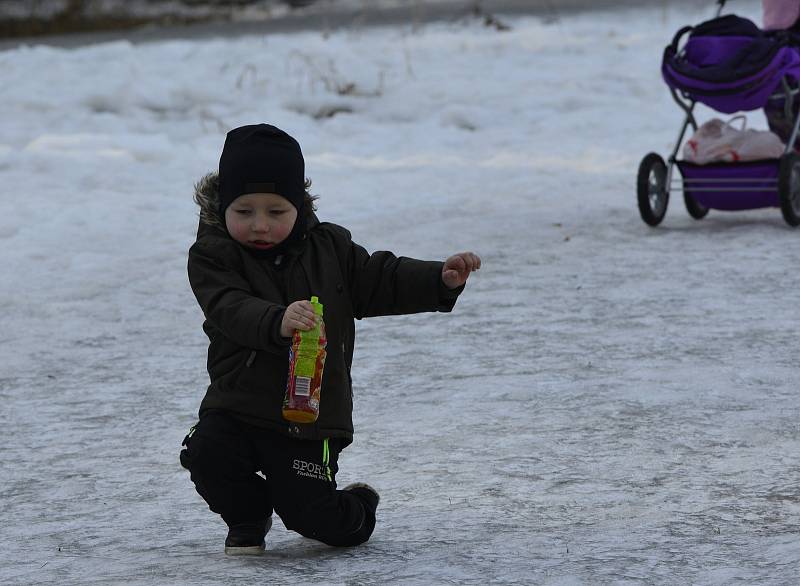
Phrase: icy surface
[608,404]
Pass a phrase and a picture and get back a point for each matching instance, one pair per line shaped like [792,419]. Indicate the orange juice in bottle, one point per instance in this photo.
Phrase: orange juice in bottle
[306,363]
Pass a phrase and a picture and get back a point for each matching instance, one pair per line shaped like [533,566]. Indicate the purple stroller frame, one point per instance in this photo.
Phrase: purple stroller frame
[726,186]
[734,186]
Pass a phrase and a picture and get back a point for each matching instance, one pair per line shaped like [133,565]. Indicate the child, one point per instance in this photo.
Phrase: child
[260,254]
[782,15]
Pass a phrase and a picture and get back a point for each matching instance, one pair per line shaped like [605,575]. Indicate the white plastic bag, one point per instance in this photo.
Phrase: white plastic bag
[718,141]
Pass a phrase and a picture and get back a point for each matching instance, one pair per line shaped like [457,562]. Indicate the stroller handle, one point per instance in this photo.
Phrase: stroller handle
[677,38]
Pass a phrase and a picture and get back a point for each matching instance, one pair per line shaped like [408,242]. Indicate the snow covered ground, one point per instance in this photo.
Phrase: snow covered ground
[608,404]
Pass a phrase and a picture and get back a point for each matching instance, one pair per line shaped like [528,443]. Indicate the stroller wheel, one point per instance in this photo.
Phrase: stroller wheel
[789,188]
[697,210]
[651,189]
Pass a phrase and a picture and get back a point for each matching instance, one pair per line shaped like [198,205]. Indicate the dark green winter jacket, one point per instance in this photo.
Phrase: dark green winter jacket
[244,297]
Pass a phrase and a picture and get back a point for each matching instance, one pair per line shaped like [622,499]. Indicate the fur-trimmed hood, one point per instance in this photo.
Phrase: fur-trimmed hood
[206,195]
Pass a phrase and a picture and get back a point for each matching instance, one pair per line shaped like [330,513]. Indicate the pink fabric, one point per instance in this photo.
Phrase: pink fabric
[780,14]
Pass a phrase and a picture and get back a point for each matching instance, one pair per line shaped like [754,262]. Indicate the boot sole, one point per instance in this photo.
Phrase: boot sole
[248,550]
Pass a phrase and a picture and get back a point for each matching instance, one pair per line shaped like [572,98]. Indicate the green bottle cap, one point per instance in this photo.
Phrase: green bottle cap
[316,305]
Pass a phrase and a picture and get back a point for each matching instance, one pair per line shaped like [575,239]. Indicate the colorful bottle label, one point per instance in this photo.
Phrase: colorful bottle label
[306,365]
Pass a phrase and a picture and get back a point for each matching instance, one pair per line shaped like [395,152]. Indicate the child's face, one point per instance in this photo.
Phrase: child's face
[260,220]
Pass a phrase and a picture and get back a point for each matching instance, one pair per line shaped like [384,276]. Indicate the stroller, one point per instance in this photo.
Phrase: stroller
[729,65]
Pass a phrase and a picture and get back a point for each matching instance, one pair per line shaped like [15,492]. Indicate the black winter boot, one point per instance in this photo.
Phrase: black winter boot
[368,494]
[247,539]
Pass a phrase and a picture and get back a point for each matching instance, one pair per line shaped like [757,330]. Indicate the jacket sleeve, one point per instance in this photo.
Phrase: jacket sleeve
[384,284]
[228,302]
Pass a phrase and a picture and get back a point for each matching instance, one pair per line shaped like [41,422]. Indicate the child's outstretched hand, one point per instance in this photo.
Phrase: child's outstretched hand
[457,268]
[298,316]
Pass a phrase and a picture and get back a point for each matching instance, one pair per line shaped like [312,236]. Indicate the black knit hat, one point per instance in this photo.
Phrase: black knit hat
[261,158]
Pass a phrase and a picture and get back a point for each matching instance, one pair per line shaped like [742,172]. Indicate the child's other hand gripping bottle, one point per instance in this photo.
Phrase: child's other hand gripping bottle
[306,363]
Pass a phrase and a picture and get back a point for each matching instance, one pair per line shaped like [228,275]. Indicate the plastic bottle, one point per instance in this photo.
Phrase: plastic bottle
[306,363]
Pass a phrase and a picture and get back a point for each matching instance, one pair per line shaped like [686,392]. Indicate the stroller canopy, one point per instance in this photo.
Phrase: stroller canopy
[729,64]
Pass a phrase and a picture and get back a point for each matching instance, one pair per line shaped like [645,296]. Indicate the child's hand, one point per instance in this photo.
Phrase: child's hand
[457,268]
[298,316]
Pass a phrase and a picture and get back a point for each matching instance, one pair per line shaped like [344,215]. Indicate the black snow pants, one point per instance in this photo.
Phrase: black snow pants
[224,455]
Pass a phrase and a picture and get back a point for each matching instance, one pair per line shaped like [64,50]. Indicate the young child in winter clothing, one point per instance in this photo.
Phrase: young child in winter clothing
[781,15]
[260,254]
